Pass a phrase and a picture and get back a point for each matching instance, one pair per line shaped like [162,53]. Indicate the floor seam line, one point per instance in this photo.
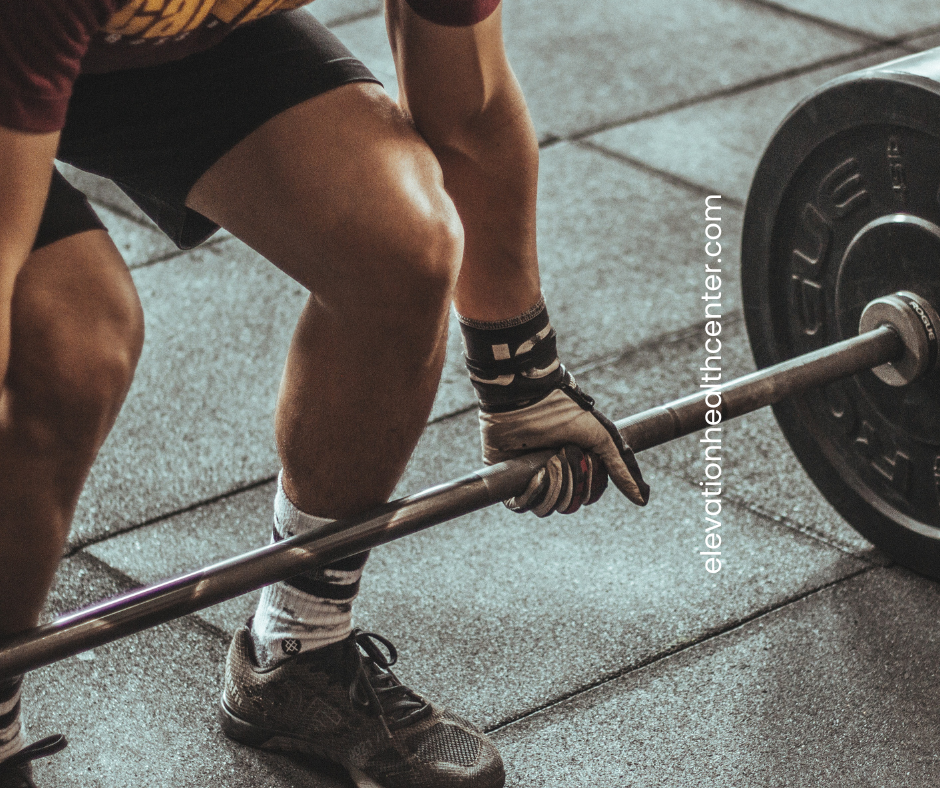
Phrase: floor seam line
[132,583]
[782,520]
[724,92]
[802,528]
[91,542]
[670,177]
[116,574]
[668,653]
[909,38]
[828,24]
[176,254]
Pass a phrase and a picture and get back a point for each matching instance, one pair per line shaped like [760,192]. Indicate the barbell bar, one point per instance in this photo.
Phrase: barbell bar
[902,326]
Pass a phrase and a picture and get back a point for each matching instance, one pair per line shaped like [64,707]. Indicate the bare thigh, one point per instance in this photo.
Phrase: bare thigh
[339,192]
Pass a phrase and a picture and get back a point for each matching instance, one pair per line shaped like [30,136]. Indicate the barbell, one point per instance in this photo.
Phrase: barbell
[840,272]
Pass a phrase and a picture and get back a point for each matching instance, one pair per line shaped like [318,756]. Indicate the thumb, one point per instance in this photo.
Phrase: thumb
[621,464]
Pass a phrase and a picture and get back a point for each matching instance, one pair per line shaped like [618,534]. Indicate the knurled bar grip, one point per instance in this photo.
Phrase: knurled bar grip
[156,604]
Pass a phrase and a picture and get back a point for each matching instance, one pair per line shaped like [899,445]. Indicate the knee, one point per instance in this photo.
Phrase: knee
[401,237]
[426,254]
[77,374]
[399,275]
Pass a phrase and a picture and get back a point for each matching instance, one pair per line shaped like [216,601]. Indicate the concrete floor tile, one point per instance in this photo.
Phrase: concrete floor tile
[497,613]
[719,143]
[141,711]
[103,192]
[137,243]
[190,541]
[574,78]
[621,252]
[838,688]
[882,20]
[138,239]
[922,43]
[778,486]
[611,60]
[455,392]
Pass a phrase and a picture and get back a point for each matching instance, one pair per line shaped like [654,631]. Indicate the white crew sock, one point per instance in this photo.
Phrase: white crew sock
[11,740]
[308,611]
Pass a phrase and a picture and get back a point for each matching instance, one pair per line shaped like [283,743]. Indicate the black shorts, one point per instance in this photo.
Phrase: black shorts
[154,131]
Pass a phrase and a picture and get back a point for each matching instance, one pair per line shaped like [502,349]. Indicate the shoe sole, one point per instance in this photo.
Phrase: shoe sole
[243,732]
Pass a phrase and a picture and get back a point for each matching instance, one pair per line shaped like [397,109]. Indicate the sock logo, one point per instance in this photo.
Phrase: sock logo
[290,646]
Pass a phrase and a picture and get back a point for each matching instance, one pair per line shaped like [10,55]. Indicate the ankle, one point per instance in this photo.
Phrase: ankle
[310,611]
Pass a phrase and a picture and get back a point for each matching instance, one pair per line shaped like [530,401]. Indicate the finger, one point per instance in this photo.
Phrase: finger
[589,477]
[534,493]
[634,468]
[567,483]
[621,464]
[623,479]
[555,476]
[599,479]
[580,468]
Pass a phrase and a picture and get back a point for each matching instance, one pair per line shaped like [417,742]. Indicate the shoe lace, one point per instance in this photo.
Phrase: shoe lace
[375,687]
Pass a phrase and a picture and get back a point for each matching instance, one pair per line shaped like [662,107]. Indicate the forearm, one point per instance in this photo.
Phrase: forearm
[466,102]
[25,171]
[494,190]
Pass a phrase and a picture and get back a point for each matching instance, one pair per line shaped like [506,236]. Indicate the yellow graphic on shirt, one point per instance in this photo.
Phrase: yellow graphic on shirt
[166,18]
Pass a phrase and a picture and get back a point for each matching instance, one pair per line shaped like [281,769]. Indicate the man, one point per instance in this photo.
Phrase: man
[247,115]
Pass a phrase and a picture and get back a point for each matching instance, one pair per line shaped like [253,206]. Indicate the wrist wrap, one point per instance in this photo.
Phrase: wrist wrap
[513,363]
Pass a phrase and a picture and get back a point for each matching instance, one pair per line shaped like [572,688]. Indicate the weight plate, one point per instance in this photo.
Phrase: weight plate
[845,208]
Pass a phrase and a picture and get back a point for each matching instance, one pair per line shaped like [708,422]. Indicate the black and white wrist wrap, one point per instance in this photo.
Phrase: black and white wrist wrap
[529,401]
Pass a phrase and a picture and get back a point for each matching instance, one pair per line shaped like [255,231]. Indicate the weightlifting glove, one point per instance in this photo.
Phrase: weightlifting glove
[529,401]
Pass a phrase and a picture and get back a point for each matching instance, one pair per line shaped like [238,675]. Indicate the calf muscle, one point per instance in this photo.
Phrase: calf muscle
[77,335]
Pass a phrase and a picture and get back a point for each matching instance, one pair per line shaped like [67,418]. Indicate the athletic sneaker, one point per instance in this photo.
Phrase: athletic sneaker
[343,703]
[16,771]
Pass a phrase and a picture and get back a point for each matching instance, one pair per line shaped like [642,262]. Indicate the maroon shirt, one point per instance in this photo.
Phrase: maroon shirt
[45,44]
